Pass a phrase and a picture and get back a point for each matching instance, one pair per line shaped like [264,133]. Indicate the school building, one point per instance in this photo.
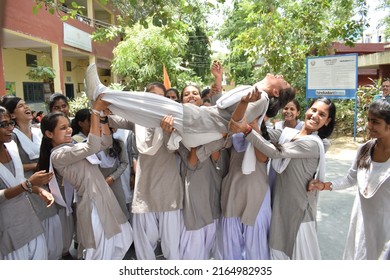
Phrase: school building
[66,46]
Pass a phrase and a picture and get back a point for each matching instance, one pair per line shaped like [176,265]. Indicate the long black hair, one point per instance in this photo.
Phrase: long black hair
[48,123]
[326,130]
[80,116]
[277,103]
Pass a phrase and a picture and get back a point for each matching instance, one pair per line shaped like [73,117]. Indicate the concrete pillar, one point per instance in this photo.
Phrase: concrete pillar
[90,13]
[57,65]
[2,81]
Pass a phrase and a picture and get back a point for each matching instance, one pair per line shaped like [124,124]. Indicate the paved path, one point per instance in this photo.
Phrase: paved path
[334,208]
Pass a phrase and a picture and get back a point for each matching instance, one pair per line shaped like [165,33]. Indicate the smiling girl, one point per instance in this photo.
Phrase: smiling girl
[102,229]
[193,124]
[290,114]
[370,171]
[28,140]
[297,158]
[22,234]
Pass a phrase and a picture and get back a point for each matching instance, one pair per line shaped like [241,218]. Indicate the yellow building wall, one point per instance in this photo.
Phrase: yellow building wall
[76,75]
[15,68]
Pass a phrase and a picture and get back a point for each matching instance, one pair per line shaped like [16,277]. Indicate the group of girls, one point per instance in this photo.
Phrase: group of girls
[202,185]
[244,228]
[297,156]
[32,162]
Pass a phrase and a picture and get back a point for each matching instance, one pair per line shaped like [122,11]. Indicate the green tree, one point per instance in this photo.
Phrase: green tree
[155,32]
[281,34]
[140,57]
[385,5]
[197,52]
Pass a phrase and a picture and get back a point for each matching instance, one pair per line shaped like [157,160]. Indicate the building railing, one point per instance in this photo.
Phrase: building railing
[89,21]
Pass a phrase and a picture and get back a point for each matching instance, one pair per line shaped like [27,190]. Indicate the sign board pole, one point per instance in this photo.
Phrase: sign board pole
[355,118]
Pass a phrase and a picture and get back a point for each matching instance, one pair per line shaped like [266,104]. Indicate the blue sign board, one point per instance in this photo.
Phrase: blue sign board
[334,76]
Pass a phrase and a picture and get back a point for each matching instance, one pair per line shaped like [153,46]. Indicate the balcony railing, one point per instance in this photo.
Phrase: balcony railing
[91,22]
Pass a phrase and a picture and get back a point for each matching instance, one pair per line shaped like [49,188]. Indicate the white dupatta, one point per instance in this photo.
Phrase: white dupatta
[55,191]
[233,96]
[31,147]
[106,161]
[68,188]
[249,161]
[10,179]
[143,135]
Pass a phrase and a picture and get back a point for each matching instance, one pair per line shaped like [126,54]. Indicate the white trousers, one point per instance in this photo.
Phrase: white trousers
[114,248]
[53,234]
[306,245]
[36,249]
[153,226]
[198,244]
[244,242]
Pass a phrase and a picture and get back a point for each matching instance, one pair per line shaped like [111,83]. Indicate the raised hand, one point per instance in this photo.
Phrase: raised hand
[167,123]
[217,69]
[252,96]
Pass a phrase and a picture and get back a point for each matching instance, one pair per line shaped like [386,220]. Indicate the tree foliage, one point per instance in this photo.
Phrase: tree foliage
[385,5]
[154,33]
[280,34]
[42,70]
[140,57]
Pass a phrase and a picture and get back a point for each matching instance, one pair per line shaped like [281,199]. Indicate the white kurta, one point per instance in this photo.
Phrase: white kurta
[293,224]
[195,125]
[370,219]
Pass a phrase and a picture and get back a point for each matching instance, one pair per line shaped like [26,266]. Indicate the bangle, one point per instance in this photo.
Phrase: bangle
[95,112]
[23,188]
[248,130]
[29,186]
[104,120]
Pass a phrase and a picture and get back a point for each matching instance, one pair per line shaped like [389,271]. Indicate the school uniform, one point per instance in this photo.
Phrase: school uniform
[21,231]
[195,126]
[102,228]
[369,226]
[201,207]
[114,167]
[29,153]
[293,232]
[158,196]
[246,208]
